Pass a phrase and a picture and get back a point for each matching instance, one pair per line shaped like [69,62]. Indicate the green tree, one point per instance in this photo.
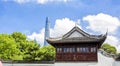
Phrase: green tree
[27,47]
[48,53]
[15,46]
[8,48]
[18,36]
[31,50]
[108,48]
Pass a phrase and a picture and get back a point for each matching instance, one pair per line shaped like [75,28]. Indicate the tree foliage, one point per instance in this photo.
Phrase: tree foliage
[108,48]
[8,48]
[15,46]
[48,53]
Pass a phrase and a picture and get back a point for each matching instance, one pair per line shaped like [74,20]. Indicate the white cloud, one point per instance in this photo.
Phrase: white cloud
[39,37]
[21,1]
[101,22]
[18,1]
[46,1]
[118,48]
[61,27]
[38,1]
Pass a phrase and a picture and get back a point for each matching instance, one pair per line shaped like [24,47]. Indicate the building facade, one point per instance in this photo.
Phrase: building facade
[77,45]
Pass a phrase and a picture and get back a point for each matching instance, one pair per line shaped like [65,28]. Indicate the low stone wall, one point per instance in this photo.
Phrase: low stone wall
[26,64]
[31,62]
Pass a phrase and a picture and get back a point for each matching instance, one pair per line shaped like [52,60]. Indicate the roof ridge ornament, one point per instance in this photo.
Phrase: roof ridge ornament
[77,23]
[106,32]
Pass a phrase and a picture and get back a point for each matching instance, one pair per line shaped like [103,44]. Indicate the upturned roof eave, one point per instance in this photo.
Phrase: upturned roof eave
[54,41]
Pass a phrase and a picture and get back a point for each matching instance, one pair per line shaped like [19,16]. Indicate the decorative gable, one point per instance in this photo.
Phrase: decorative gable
[75,34]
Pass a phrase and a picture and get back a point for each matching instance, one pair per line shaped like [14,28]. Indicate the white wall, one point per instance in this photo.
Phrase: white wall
[116,63]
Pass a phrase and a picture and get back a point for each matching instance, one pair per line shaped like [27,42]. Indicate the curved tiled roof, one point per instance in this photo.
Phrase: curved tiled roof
[85,37]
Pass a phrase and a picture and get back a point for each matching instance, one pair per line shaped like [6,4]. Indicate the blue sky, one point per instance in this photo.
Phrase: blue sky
[28,16]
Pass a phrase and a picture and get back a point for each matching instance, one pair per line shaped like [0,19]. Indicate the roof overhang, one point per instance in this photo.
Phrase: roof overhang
[86,38]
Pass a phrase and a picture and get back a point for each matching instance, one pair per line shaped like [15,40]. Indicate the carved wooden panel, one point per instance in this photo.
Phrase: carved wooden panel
[78,52]
[76,57]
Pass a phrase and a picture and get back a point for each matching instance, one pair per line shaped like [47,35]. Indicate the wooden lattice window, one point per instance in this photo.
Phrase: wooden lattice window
[59,50]
[83,49]
[93,49]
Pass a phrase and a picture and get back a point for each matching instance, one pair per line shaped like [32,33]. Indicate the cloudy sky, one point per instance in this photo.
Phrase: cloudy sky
[93,16]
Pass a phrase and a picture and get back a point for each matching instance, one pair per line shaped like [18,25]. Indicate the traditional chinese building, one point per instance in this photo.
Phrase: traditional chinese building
[77,45]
